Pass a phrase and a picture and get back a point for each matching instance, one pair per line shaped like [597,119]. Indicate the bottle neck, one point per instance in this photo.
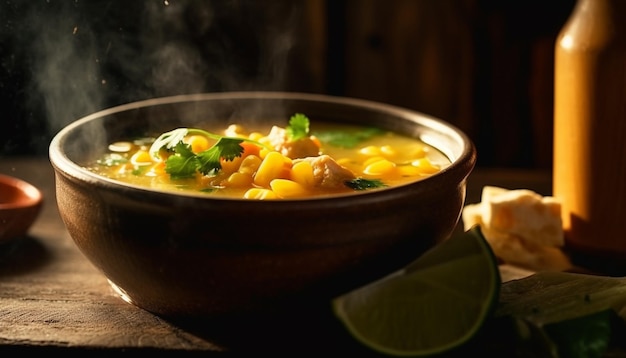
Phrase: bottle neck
[595,24]
[601,10]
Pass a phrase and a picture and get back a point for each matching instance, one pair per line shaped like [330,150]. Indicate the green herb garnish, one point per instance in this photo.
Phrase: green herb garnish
[347,139]
[184,163]
[364,184]
[298,127]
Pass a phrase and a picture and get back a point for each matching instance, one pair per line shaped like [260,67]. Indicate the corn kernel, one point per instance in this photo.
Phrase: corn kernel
[420,151]
[285,188]
[141,157]
[260,194]
[198,143]
[272,167]
[409,171]
[263,152]
[255,136]
[387,151]
[370,150]
[250,164]
[425,166]
[373,160]
[239,180]
[302,173]
[380,168]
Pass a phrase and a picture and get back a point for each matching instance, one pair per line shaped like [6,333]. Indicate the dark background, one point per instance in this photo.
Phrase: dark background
[484,65]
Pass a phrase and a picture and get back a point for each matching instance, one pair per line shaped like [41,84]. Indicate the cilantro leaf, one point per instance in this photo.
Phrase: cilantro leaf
[364,184]
[183,164]
[227,148]
[298,127]
[209,160]
[347,139]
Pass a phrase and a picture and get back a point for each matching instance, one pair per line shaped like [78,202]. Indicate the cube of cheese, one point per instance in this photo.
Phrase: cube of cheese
[521,226]
[524,213]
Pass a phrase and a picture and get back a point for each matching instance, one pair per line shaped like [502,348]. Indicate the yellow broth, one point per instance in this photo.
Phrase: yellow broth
[387,157]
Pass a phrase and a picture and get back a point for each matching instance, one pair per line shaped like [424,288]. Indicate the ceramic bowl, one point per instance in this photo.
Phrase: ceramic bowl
[20,204]
[194,257]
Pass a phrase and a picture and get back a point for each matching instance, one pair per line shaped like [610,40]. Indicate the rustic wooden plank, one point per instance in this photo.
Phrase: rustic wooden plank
[415,54]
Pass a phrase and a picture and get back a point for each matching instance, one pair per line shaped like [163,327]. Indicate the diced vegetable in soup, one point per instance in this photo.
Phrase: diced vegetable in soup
[299,160]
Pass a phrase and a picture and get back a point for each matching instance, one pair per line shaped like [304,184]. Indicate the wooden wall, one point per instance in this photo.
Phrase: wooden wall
[484,65]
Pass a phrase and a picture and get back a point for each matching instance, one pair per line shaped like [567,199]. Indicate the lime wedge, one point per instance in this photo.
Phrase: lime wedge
[435,304]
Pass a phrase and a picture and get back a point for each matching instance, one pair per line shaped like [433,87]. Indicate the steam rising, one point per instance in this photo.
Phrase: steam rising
[85,56]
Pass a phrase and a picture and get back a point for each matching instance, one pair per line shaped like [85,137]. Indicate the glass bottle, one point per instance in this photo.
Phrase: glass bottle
[589,168]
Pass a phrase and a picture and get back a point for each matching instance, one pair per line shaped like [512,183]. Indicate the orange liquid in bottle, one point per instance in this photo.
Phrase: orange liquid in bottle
[590,127]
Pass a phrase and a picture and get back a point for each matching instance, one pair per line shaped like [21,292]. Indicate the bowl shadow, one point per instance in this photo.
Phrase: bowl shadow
[21,255]
[302,330]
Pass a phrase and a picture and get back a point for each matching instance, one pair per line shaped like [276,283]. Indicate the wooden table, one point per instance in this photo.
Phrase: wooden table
[53,299]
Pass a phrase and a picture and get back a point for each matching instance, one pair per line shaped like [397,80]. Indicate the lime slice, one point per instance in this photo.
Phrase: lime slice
[437,303]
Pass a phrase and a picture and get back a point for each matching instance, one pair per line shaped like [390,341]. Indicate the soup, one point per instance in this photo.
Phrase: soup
[299,160]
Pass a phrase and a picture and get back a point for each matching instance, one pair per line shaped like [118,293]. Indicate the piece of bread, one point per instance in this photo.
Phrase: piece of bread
[522,227]
[522,212]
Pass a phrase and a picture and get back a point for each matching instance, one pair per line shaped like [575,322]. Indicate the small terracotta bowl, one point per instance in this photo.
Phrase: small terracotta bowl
[189,256]
[20,204]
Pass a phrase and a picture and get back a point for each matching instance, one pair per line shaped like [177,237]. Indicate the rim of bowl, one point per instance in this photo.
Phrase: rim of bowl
[460,167]
[28,195]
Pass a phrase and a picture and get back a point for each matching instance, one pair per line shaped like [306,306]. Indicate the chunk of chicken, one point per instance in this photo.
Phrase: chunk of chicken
[301,148]
[327,172]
